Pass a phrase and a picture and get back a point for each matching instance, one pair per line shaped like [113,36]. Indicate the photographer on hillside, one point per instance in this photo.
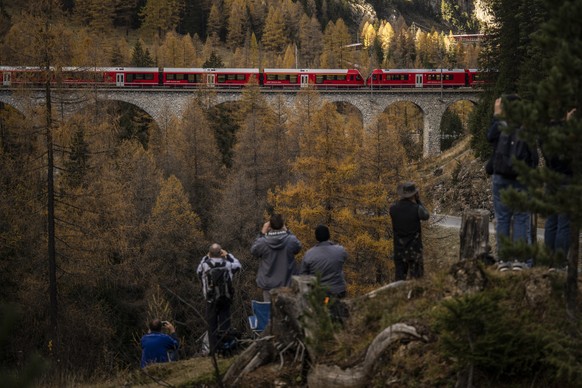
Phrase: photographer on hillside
[159,347]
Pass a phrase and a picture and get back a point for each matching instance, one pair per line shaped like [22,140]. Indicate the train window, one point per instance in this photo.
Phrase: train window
[170,77]
[192,78]
[220,78]
[180,77]
[231,77]
[358,78]
[282,77]
[149,76]
[341,77]
[319,79]
[376,78]
[240,77]
[271,77]
[293,79]
[129,77]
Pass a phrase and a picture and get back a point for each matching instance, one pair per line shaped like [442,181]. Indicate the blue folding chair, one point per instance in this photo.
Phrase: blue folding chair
[260,318]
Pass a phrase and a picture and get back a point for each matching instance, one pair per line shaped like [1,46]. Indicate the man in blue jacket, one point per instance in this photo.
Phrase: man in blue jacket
[157,346]
[276,248]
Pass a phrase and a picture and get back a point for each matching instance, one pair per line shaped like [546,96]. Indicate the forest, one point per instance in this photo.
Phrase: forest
[104,216]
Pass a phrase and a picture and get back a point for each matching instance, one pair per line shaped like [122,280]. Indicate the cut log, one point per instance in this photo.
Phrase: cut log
[474,235]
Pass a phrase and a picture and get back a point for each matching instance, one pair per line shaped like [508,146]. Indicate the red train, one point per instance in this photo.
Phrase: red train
[237,77]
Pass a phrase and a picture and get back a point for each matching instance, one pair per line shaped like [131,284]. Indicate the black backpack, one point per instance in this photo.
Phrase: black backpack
[510,147]
[218,282]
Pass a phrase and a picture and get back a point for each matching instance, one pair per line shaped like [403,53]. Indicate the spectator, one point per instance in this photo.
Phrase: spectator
[507,146]
[557,226]
[216,271]
[276,248]
[406,215]
[326,259]
[159,347]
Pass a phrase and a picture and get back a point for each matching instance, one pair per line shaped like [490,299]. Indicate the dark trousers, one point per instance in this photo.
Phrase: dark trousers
[218,319]
[408,263]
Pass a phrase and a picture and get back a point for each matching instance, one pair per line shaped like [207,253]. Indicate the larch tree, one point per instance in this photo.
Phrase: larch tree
[307,103]
[173,249]
[215,22]
[258,156]
[237,25]
[326,188]
[275,35]
[335,39]
[160,16]
[196,160]
[310,42]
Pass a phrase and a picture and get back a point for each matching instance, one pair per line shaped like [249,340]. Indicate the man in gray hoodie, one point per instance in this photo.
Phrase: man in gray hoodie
[276,248]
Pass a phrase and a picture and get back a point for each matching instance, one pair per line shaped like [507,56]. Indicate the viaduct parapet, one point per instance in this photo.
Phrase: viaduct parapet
[160,103]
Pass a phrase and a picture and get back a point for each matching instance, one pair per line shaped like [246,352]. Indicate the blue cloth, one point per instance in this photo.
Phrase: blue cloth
[507,217]
[157,347]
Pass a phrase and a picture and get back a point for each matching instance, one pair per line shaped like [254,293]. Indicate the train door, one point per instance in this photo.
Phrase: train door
[304,80]
[419,80]
[6,78]
[119,79]
[211,79]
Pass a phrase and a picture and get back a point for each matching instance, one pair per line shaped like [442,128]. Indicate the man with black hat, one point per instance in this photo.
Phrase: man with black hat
[326,259]
[406,215]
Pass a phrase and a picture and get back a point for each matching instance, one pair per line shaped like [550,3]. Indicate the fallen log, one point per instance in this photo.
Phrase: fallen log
[334,376]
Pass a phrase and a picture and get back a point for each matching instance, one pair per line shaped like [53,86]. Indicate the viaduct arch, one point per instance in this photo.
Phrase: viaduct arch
[158,103]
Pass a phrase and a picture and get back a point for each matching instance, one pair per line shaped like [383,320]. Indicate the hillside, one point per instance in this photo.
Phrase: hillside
[466,312]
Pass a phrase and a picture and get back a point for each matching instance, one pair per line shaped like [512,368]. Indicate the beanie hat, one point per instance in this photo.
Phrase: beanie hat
[321,233]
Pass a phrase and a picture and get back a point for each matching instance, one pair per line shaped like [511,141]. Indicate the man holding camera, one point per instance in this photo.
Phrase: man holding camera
[276,248]
[406,215]
[159,347]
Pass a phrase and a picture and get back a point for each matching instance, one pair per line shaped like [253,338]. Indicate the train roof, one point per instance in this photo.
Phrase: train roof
[307,71]
[420,70]
[210,70]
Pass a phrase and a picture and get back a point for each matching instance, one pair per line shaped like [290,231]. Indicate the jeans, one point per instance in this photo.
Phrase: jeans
[505,217]
[557,233]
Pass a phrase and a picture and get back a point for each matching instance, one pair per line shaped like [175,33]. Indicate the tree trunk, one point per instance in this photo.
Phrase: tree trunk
[474,235]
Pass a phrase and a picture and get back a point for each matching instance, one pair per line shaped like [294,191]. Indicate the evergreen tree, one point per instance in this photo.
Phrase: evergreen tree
[214,61]
[451,129]
[549,191]
[139,57]
[78,163]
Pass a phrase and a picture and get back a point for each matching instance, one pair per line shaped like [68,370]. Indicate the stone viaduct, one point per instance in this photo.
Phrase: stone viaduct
[158,103]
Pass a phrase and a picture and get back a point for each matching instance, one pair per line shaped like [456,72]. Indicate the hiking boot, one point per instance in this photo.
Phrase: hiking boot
[503,266]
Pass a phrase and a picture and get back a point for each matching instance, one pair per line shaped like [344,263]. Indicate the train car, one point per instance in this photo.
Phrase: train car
[24,75]
[418,78]
[85,76]
[208,76]
[131,76]
[321,78]
[476,78]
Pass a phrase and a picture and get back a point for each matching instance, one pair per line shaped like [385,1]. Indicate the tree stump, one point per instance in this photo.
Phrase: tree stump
[474,235]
